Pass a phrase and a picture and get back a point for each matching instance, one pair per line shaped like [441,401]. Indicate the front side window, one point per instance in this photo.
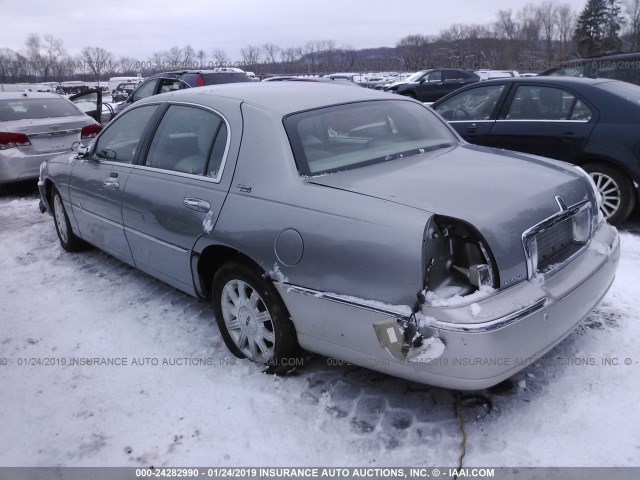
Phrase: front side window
[434,76]
[145,90]
[542,103]
[474,104]
[416,76]
[355,135]
[184,141]
[119,142]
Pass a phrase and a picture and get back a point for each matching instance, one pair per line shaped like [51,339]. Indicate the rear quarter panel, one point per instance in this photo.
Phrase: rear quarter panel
[351,244]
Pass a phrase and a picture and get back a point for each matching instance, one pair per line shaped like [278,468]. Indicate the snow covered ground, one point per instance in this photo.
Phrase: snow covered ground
[563,411]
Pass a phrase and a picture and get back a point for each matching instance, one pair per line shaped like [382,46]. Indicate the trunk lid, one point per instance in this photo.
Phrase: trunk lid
[500,193]
[49,135]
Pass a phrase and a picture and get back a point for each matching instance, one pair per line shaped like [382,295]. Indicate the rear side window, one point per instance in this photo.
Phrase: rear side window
[456,75]
[546,103]
[171,84]
[218,78]
[186,139]
[35,108]
[119,142]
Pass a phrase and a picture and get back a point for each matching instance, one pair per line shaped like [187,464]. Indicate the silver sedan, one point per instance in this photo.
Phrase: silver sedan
[348,222]
[35,127]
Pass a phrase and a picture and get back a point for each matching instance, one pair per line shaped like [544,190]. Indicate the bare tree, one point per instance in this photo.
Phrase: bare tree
[414,51]
[506,26]
[271,52]
[128,65]
[173,57]
[220,57]
[632,11]
[99,61]
[188,57]
[202,57]
[250,55]
[548,17]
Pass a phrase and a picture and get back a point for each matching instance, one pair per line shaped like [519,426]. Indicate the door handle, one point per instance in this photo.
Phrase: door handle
[472,130]
[197,204]
[111,184]
[568,136]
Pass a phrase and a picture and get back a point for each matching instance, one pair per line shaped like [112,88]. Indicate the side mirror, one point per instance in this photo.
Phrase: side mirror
[83,150]
[422,80]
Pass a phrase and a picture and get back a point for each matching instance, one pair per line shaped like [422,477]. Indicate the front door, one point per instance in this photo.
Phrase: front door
[472,112]
[97,182]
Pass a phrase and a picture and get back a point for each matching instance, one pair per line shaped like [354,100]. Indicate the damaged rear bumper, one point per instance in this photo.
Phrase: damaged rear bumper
[483,345]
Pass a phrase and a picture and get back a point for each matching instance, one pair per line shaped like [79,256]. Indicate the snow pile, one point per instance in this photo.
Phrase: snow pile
[277,274]
[55,305]
[444,299]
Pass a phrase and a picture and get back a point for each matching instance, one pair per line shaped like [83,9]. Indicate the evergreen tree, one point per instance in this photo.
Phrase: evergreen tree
[598,27]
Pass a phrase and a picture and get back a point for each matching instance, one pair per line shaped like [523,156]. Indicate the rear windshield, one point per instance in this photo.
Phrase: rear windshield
[350,136]
[217,78]
[34,108]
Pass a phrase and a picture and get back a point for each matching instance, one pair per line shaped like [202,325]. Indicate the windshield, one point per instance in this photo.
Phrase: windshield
[33,108]
[350,136]
[416,76]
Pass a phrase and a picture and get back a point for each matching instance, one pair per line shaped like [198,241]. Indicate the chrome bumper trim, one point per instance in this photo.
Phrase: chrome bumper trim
[334,297]
[493,324]
[397,313]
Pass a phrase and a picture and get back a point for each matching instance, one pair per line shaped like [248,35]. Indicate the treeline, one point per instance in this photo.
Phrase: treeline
[529,39]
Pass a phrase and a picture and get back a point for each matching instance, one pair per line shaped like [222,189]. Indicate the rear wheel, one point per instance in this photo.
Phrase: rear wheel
[251,316]
[616,190]
[68,240]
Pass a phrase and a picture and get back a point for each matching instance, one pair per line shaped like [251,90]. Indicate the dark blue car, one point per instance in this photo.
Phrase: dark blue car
[593,123]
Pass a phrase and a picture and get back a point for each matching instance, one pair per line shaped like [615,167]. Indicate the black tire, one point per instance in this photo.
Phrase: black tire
[282,344]
[618,198]
[68,240]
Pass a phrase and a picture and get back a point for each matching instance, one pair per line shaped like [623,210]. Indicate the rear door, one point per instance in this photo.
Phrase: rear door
[544,120]
[97,182]
[174,195]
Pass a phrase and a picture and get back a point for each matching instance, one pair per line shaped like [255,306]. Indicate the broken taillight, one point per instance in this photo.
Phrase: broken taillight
[90,131]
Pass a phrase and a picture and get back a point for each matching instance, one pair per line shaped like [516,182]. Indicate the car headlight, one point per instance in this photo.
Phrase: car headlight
[596,193]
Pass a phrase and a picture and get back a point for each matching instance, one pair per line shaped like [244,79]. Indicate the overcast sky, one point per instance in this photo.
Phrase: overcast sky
[137,28]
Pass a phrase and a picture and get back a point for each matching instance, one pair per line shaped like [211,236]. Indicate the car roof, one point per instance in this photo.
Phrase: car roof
[17,95]
[568,81]
[281,97]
